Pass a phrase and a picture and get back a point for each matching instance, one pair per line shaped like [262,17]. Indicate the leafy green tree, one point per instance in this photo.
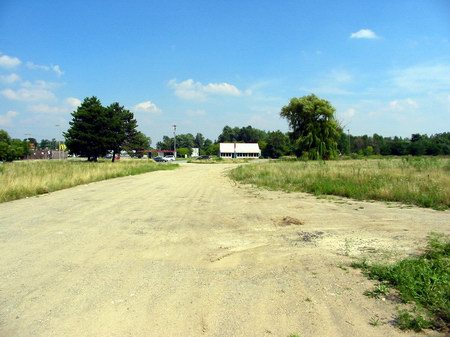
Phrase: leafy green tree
[207,143]
[277,145]
[246,134]
[137,144]
[183,152]
[12,149]
[185,140]
[212,149]
[5,140]
[165,144]
[315,130]
[199,141]
[44,143]
[229,135]
[32,141]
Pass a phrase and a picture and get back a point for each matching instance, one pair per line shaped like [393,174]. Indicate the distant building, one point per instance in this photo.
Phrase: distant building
[239,150]
[195,152]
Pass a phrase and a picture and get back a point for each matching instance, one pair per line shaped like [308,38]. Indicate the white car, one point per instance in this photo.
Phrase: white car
[169,158]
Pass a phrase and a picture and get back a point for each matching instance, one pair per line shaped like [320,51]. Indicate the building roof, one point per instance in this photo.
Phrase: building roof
[240,148]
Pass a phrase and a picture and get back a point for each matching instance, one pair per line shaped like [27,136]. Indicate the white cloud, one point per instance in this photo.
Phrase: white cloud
[73,102]
[68,105]
[146,106]
[11,78]
[48,109]
[9,61]
[364,34]
[349,113]
[28,94]
[33,66]
[428,78]
[188,89]
[339,76]
[404,104]
[191,90]
[55,68]
[7,118]
[40,84]
[222,89]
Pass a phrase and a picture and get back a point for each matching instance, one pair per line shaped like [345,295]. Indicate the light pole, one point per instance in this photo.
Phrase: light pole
[175,141]
[59,146]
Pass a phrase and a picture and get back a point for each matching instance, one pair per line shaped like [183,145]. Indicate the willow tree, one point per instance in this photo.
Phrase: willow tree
[314,129]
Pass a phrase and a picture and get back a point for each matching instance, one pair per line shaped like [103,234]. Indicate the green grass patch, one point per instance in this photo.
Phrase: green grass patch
[29,178]
[424,182]
[422,280]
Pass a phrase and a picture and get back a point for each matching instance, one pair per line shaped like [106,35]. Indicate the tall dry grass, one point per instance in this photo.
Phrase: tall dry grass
[28,178]
[423,182]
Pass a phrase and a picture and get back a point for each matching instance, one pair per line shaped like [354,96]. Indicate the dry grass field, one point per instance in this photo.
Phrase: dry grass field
[424,182]
[28,178]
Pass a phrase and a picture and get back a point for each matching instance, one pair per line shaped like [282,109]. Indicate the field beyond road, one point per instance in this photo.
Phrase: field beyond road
[188,252]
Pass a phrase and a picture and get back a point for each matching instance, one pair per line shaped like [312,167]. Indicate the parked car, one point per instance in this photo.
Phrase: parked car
[169,158]
[203,157]
[159,159]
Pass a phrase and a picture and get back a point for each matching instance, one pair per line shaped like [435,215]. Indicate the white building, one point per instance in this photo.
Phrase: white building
[239,150]
[195,152]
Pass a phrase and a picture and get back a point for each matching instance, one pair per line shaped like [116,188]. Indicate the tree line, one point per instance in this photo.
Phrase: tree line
[314,133]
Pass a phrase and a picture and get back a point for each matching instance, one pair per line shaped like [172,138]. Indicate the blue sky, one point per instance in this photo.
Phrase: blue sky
[384,65]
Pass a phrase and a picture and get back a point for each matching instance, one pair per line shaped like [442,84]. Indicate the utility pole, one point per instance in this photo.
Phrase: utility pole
[28,144]
[175,141]
[349,150]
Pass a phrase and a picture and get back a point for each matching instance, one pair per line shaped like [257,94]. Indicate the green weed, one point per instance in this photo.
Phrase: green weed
[407,320]
[374,321]
[423,280]
[379,291]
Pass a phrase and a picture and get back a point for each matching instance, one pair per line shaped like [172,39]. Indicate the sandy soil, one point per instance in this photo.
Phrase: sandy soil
[190,253]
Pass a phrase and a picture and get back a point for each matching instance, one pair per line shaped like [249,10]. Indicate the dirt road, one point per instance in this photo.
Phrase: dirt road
[190,253]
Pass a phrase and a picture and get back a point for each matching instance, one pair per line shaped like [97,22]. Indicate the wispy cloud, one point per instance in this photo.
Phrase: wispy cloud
[6,119]
[48,109]
[191,90]
[9,61]
[335,82]
[68,105]
[73,102]
[28,94]
[403,104]
[364,34]
[146,106]
[8,79]
[419,78]
[55,68]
